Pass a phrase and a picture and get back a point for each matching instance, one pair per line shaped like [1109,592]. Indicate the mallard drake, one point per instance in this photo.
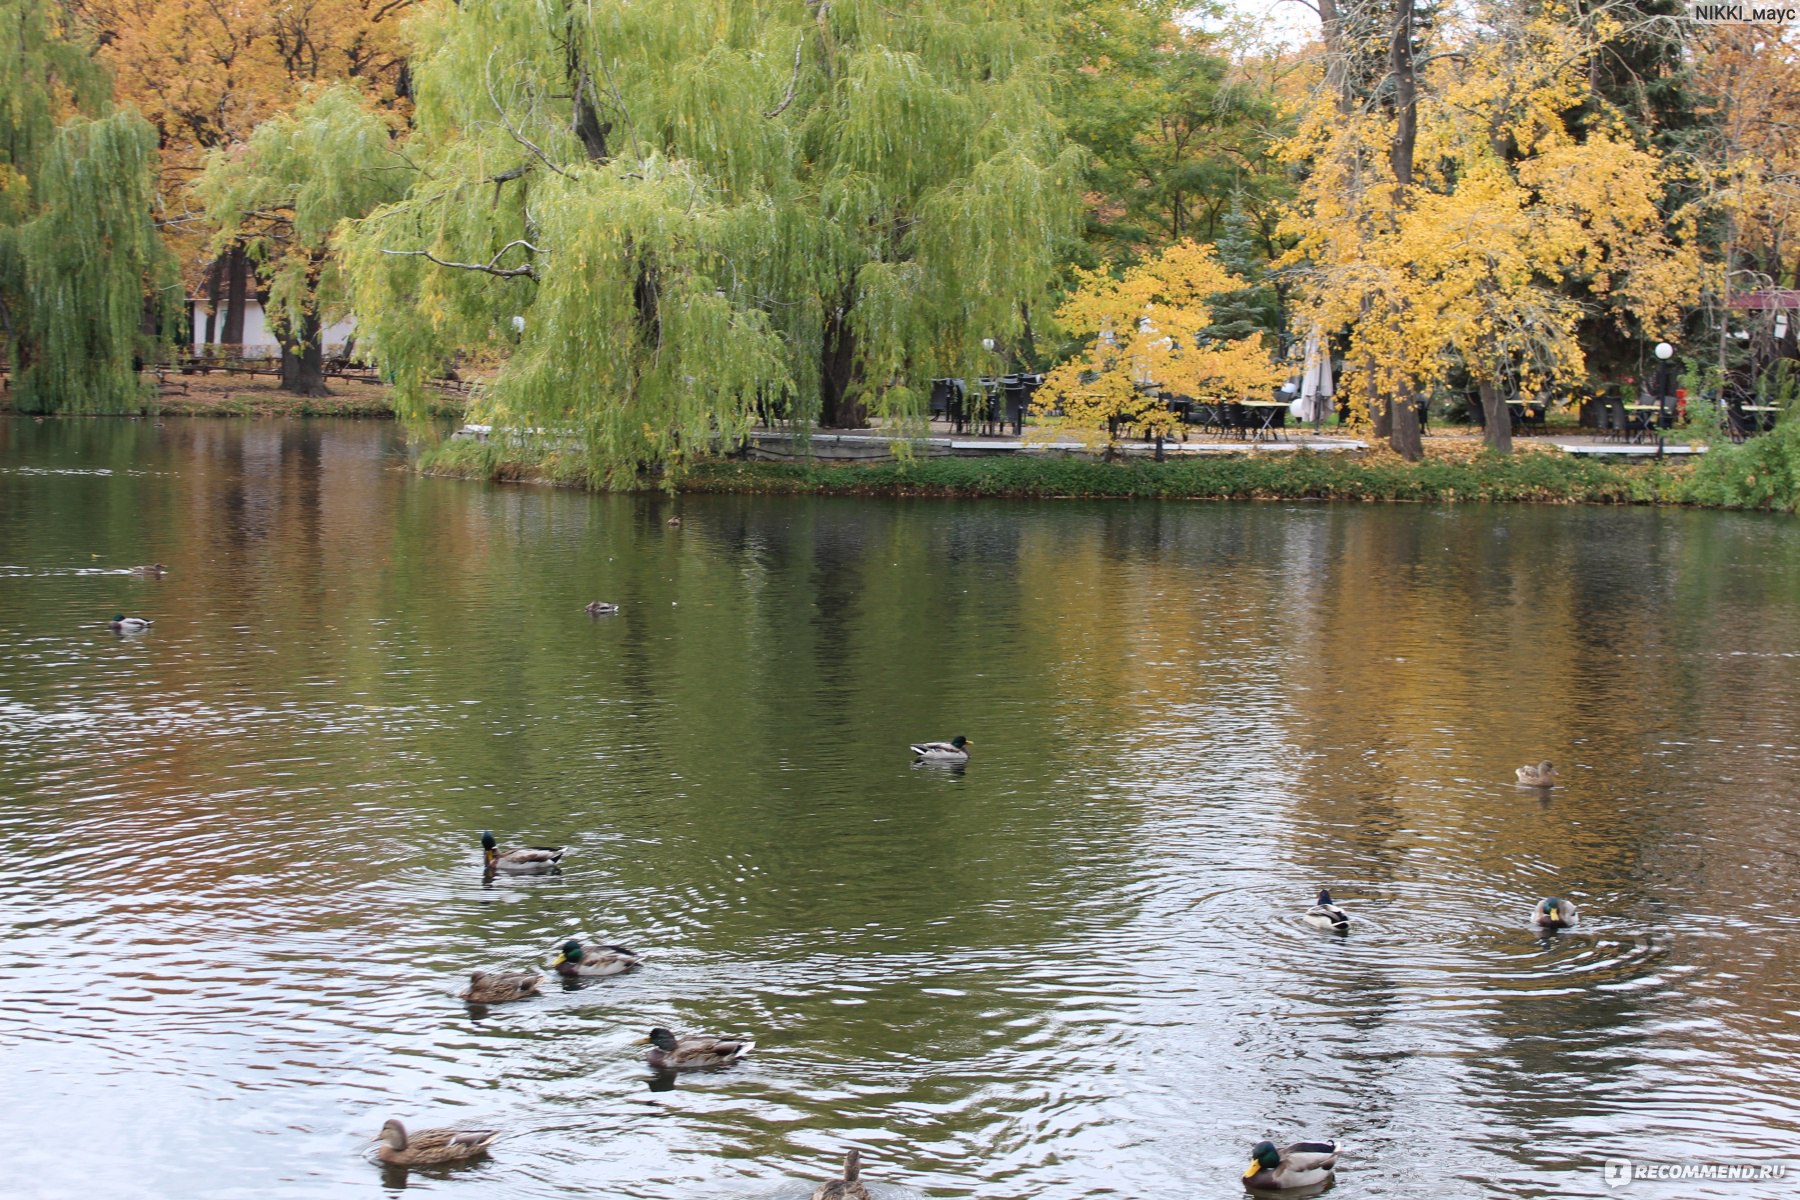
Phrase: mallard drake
[524,860]
[593,959]
[601,608]
[1326,915]
[1542,775]
[153,571]
[690,1050]
[846,1187]
[124,624]
[429,1147]
[953,751]
[497,987]
[1303,1164]
[1553,912]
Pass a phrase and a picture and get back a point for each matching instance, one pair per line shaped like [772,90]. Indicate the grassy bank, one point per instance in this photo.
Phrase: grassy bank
[1448,475]
[1537,477]
[259,396]
[225,395]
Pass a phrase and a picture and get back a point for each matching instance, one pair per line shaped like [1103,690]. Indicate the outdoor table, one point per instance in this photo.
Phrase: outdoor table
[1764,420]
[1265,413]
[1644,408]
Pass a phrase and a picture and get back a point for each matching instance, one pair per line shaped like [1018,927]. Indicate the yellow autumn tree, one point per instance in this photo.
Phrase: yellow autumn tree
[1147,327]
[1517,223]
[1748,172]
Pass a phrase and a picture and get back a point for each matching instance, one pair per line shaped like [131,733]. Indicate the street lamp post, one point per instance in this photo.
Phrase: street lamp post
[1664,352]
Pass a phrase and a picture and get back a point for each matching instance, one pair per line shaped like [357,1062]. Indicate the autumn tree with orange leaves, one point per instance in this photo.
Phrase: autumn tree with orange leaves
[206,73]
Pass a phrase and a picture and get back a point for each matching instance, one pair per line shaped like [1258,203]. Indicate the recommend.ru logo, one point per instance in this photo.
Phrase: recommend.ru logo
[1621,1172]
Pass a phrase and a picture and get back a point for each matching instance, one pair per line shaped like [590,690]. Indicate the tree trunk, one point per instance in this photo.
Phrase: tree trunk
[1402,417]
[1406,98]
[838,409]
[1496,418]
[303,359]
[1379,417]
[212,302]
[1405,437]
[237,294]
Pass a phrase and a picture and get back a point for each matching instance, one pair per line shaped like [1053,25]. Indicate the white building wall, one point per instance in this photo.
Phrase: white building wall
[258,341]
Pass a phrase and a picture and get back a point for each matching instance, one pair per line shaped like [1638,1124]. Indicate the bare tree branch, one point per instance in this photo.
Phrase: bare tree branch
[792,84]
[491,267]
[487,79]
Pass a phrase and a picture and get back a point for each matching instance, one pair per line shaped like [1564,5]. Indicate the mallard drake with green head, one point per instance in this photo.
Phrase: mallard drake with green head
[525,860]
[956,750]
[847,1186]
[124,624]
[593,959]
[1303,1164]
[1542,775]
[497,987]
[693,1050]
[430,1147]
[1553,913]
[1326,915]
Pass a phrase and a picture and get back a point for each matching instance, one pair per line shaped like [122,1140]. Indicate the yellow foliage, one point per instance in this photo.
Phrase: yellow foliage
[1144,328]
[1515,227]
[206,74]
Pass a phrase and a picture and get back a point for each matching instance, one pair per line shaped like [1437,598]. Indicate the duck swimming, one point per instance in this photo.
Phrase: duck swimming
[497,987]
[524,860]
[1554,913]
[1542,775]
[847,1186]
[124,624]
[691,1050]
[429,1147]
[1303,1164]
[956,750]
[593,959]
[601,608]
[1326,915]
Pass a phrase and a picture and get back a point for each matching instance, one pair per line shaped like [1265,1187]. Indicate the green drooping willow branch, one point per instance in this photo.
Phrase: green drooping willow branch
[723,202]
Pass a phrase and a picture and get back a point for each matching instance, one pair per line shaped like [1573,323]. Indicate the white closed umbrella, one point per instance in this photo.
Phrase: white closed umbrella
[1315,385]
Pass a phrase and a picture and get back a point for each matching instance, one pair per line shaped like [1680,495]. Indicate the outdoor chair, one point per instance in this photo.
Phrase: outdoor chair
[1738,423]
[946,397]
[1016,398]
[1613,422]
[1234,419]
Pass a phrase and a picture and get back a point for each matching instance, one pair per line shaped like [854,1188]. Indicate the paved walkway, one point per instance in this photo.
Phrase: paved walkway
[872,444]
[1650,449]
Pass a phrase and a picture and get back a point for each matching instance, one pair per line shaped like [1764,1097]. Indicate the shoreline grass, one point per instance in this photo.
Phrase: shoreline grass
[1533,475]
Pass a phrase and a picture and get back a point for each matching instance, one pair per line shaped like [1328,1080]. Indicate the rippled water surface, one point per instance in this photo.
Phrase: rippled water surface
[242,882]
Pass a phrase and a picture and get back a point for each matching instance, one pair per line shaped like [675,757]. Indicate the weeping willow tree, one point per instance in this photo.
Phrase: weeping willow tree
[77,246]
[667,216]
[282,193]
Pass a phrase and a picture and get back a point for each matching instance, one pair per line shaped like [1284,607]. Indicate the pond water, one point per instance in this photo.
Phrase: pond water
[242,882]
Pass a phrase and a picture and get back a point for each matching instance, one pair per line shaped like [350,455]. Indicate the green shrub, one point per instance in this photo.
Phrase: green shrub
[1762,472]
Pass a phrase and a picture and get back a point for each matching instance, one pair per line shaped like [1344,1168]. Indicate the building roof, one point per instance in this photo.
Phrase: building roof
[1766,298]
